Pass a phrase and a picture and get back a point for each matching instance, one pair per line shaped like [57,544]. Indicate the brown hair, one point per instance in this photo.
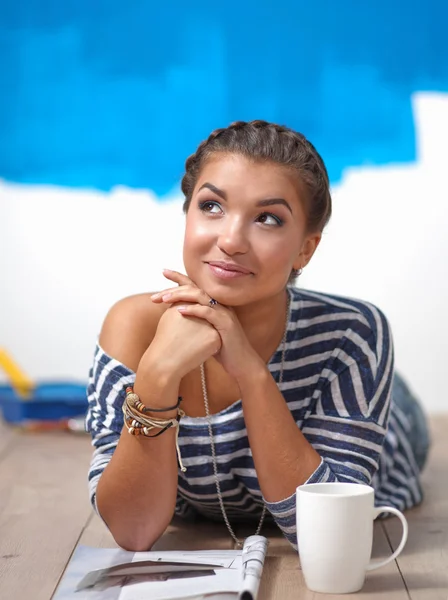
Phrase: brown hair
[263,141]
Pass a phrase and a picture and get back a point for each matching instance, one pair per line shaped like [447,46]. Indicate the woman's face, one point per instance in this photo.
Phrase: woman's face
[245,230]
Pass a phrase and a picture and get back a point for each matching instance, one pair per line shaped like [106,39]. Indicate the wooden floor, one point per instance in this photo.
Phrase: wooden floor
[45,513]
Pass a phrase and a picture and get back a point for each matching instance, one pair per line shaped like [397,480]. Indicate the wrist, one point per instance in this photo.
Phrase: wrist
[157,388]
[158,370]
[255,374]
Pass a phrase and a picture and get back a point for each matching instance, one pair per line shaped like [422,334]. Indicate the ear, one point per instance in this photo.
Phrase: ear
[309,246]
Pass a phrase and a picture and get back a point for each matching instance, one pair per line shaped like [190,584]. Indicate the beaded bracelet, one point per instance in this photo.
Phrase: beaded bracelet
[134,399]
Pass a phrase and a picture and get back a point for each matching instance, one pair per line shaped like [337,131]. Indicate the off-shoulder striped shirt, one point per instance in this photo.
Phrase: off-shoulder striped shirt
[337,382]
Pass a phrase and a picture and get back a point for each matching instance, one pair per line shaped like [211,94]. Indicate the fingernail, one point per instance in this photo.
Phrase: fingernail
[182,308]
[166,297]
[166,271]
[155,296]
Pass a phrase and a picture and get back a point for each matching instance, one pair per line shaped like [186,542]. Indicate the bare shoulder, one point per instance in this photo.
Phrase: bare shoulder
[129,328]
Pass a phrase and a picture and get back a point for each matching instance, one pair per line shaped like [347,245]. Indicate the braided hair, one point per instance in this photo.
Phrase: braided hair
[263,141]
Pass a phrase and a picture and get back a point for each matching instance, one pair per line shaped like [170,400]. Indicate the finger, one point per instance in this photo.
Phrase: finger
[157,297]
[186,293]
[212,315]
[177,277]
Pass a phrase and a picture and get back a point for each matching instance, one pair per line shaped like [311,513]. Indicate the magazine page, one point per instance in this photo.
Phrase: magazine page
[240,580]
[115,574]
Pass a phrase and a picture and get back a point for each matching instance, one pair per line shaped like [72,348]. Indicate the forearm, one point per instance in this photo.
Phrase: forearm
[283,457]
[136,494]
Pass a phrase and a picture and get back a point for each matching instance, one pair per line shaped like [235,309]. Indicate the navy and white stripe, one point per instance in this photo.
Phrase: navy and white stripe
[337,383]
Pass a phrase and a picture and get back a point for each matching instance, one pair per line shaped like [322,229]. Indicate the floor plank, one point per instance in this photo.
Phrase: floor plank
[8,436]
[424,560]
[44,506]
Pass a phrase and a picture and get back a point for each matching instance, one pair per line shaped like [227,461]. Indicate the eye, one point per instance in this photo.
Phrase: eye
[210,206]
[270,219]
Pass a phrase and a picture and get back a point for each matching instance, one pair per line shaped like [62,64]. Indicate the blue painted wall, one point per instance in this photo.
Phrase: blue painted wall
[96,93]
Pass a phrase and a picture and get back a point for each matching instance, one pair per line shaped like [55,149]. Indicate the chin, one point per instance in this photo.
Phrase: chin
[224,294]
[233,294]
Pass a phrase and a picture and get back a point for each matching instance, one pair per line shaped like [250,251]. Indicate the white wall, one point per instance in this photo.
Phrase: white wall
[388,243]
[67,255]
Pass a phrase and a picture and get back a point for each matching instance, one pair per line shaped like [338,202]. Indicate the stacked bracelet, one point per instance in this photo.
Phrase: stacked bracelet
[135,401]
[138,422]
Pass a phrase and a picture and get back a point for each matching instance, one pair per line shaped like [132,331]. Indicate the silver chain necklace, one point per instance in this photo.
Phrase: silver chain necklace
[238,542]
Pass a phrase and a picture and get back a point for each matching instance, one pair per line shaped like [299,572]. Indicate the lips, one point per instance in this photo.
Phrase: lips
[230,266]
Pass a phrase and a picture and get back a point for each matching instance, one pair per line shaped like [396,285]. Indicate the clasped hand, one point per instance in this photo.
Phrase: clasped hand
[235,352]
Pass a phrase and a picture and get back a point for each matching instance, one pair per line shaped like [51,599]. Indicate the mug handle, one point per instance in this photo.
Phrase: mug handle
[376,564]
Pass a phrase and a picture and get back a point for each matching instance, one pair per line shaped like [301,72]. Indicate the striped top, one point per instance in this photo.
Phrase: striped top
[337,381]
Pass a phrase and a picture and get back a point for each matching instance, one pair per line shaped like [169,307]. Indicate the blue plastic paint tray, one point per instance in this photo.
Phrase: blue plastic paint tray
[48,402]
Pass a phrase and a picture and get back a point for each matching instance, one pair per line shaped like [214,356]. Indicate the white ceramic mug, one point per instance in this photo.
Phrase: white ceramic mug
[334,535]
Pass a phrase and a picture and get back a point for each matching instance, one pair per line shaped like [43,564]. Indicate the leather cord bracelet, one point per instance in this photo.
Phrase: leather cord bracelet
[138,423]
[135,401]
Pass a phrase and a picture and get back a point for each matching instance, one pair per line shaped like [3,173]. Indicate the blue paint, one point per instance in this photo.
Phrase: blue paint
[95,94]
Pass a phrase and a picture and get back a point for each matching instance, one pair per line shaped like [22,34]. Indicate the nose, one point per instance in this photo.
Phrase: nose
[232,238]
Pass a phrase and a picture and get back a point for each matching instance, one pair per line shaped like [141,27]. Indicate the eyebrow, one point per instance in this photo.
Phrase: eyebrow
[266,202]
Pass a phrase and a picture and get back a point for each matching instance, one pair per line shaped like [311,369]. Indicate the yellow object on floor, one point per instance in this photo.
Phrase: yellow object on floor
[20,382]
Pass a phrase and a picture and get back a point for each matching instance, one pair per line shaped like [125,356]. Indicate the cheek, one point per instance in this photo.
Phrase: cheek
[277,253]
[197,244]
[196,237]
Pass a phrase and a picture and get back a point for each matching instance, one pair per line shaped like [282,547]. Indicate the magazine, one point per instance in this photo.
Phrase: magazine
[115,574]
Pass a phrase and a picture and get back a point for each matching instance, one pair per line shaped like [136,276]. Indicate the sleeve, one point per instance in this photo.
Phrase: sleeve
[107,382]
[104,419]
[348,422]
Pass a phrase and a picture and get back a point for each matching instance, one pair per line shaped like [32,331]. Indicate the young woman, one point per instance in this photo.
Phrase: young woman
[237,387]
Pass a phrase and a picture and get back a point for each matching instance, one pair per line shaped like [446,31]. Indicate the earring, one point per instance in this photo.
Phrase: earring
[297,272]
